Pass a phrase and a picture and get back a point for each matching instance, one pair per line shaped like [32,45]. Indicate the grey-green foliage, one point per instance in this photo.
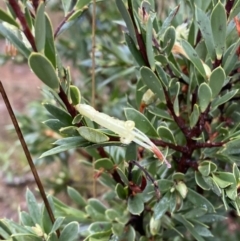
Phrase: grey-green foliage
[186,99]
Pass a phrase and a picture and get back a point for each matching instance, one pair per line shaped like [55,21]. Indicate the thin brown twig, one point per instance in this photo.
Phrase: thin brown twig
[93,75]
[63,22]
[25,28]
[148,175]
[28,155]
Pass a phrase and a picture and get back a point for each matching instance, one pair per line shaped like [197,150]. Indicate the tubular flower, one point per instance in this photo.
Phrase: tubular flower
[125,129]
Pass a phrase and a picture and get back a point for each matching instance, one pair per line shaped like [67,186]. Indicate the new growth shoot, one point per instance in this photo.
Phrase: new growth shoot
[125,129]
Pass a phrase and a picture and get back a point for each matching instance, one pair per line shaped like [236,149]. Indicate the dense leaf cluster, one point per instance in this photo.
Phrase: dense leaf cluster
[184,98]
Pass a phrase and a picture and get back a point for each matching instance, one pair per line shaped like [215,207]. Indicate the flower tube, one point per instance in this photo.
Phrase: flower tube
[125,129]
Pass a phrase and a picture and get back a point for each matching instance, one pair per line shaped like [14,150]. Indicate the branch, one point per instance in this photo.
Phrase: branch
[25,28]
[63,22]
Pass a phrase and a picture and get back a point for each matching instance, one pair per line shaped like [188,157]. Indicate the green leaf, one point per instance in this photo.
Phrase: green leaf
[44,70]
[98,227]
[193,57]
[223,99]
[236,172]
[66,147]
[127,18]
[199,200]
[33,208]
[121,192]
[81,3]
[5,17]
[112,214]
[161,207]
[165,185]
[54,124]
[230,57]
[76,197]
[152,82]
[213,185]
[195,213]
[66,6]
[135,204]
[15,40]
[76,15]
[122,175]
[219,26]
[149,45]
[205,27]
[40,27]
[211,218]
[97,205]
[162,113]
[235,10]
[176,102]
[189,226]
[69,131]
[200,181]
[194,116]
[75,95]
[169,40]
[168,20]
[206,167]
[92,135]
[104,163]
[141,122]
[225,177]
[58,222]
[49,49]
[204,96]
[216,81]
[134,50]
[70,232]
[162,75]
[166,134]
[58,113]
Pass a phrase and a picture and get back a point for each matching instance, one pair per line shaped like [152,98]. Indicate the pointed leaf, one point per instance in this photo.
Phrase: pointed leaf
[152,82]
[223,99]
[193,57]
[33,208]
[18,43]
[127,18]
[205,27]
[161,207]
[134,51]
[141,122]
[59,113]
[199,200]
[149,45]
[70,232]
[92,135]
[5,17]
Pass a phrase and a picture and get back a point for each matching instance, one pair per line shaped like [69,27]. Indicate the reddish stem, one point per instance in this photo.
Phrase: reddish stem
[16,8]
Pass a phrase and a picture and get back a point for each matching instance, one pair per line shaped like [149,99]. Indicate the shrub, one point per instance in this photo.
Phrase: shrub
[183,108]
